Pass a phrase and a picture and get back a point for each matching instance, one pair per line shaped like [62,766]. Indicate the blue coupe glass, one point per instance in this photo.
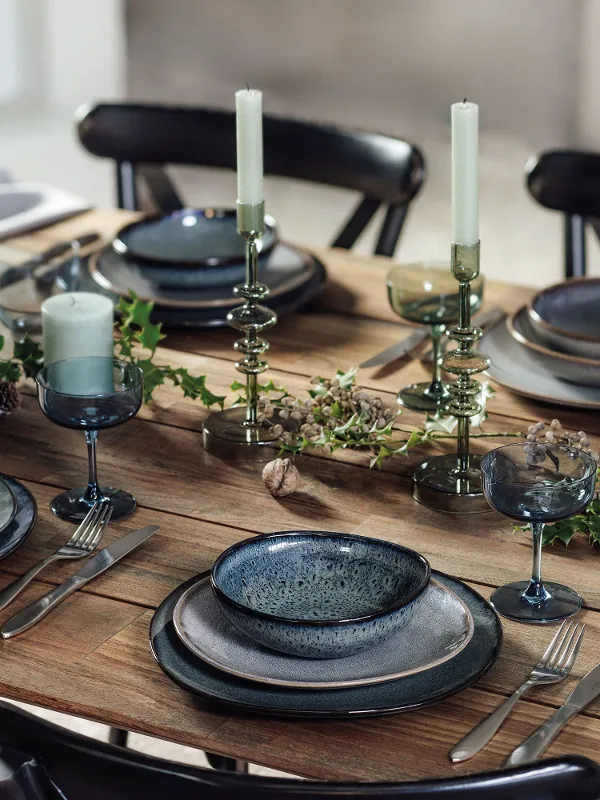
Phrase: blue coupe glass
[90,394]
[537,483]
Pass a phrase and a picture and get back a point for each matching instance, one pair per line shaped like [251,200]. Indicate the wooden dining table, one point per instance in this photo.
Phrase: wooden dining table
[91,657]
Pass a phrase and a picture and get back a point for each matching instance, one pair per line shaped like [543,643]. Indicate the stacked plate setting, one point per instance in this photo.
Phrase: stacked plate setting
[391,635]
[188,262]
[18,512]
[550,349]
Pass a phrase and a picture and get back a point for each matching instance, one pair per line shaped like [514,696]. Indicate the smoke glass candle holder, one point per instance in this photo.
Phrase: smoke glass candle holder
[427,293]
[90,394]
[536,484]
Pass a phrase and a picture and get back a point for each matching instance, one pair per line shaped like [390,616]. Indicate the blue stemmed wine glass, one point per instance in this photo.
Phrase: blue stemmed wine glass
[90,394]
[537,483]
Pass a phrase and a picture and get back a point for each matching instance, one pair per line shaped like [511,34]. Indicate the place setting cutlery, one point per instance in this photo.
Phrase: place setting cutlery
[554,666]
[83,542]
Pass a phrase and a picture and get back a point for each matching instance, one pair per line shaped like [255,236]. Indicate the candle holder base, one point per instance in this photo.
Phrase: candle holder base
[226,435]
[418,397]
[439,484]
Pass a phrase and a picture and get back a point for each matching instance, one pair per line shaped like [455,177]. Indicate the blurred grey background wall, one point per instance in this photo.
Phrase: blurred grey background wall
[388,65]
[391,64]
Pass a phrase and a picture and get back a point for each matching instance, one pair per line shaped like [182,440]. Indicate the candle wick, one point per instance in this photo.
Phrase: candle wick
[72,299]
[247,86]
[464,101]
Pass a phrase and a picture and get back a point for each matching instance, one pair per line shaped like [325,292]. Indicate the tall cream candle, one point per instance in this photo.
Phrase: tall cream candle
[465,173]
[248,107]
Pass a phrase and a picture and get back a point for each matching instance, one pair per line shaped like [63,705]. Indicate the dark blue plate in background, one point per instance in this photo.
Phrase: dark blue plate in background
[17,531]
[403,694]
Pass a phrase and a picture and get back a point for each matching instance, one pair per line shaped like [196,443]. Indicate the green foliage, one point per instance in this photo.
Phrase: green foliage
[26,361]
[585,524]
[136,330]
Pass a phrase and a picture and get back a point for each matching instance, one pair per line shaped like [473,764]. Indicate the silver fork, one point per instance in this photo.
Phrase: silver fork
[554,666]
[82,543]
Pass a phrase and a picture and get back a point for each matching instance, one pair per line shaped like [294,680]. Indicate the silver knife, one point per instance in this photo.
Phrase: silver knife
[396,350]
[95,566]
[532,748]
[21,271]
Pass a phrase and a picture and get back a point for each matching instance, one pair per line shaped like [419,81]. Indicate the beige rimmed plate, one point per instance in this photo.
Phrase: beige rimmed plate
[518,369]
[440,630]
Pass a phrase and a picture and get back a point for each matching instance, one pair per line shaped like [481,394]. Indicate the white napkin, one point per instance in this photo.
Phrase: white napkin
[26,206]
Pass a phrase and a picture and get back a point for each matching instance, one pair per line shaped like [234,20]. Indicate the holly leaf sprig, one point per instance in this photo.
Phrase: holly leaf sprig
[585,524]
[27,360]
[136,331]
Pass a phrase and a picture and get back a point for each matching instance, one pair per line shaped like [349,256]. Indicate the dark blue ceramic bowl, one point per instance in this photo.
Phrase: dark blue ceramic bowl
[318,594]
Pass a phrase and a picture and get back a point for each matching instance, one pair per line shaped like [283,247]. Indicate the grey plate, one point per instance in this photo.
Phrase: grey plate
[284,298]
[519,369]
[571,307]
[562,341]
[441,629]
[8,505]
[576,369]
[403,694]
[190,237]
[17,531]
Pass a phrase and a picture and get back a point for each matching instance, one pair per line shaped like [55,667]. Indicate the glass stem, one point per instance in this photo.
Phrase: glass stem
[92,493]
[536,591]
[436,388]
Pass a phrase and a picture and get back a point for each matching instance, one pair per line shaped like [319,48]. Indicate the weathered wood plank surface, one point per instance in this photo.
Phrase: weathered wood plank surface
[91,655]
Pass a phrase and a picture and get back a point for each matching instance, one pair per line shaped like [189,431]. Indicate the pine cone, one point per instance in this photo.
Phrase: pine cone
[10,399]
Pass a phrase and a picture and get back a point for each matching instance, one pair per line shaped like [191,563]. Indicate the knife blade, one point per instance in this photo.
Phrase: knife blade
[397,350]
[18,273]
[532,748]
[95,566]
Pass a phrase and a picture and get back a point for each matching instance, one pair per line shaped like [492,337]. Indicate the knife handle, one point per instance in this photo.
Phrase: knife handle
[33,613]
[533,747]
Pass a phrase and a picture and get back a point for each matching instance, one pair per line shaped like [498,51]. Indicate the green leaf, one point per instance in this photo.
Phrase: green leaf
[153,377]
[561,531]
[135,325]
[236,386]
[416,437]
[337,411]
[9,371]
[346,379]
[30,354]
[441,424]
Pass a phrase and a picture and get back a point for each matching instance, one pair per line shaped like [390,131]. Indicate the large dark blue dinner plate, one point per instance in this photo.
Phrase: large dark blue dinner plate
[17,531]
[293,276]
[404,694]
[190,238]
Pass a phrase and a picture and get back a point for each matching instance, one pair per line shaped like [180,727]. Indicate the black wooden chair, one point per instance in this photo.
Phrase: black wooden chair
[569,181]
[143,138]
[40,761]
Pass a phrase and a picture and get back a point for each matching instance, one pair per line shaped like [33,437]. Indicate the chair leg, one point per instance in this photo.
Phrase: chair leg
[575,257]
[118,737]
[226,764]
[390,230]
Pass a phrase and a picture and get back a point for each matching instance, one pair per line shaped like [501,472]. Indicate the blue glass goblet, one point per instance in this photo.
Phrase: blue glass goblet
[90,394]
[537,483]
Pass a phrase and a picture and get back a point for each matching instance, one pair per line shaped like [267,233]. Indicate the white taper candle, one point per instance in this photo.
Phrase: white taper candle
[465,173]
[248,106]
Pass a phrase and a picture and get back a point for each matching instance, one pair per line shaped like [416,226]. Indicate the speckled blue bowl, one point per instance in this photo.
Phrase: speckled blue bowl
[318,594]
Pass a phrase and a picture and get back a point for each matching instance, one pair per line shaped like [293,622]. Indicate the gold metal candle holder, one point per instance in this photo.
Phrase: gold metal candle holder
[453,482]
[236,432]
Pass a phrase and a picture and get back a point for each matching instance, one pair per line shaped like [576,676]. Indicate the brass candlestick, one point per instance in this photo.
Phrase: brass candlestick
[453,482]
[236,432]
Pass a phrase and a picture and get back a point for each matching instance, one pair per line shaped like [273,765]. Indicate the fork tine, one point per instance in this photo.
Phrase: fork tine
[83,526]
[101,526]
[558,633]
[568,658]
[561,655]
[558,647]
[104,505]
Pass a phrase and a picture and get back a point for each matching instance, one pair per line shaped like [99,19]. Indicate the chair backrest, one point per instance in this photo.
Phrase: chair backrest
[383,169]
[58,763]
[569,181]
